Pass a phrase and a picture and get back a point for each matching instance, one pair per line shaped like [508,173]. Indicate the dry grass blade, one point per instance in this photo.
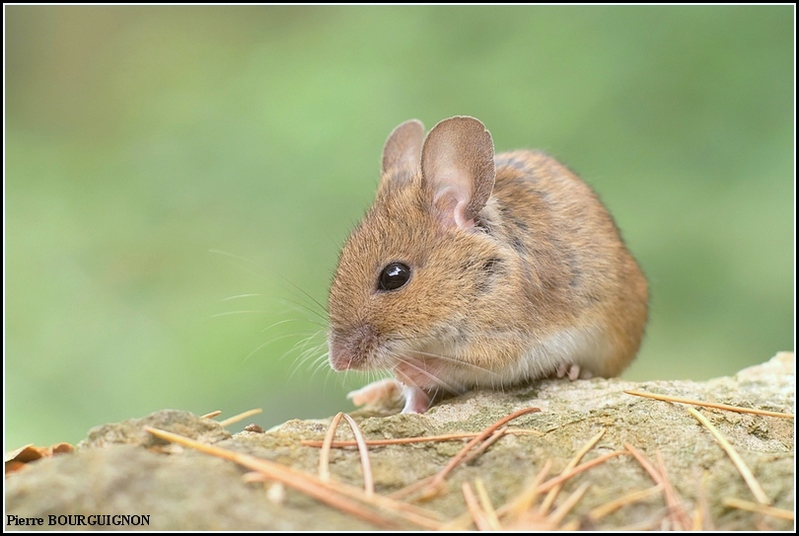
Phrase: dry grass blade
[212,414]
[408,440]
[608,508]
[458,458]
[482,447]
[758,508]
[737,409]
[560,512]
[548,485]
[531,521]
[527,498]
[698,521]
[366,466]
[669,496]
[519,513]
[324,454]
[395,441]
[240,417]
[478,516]
[702,518]
[549,500]
[460,523]
[378,510]
[412,488]
[677,511]
[653,524]
[432,485]
[485,504]
[525,431]
[519,508]
[645,463]
[746,473]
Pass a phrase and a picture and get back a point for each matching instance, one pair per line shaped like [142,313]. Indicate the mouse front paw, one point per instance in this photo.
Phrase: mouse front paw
[381,392]
[387,392]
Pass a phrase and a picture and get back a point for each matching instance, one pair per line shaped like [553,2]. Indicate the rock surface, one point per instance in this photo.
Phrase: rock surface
[122,470]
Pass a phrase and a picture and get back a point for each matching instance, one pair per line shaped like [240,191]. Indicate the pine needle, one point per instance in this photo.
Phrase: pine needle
[546,486]
[549,500]
[527,498]
[324,454]
[758,508]
[379,510]
[366,466]
[240,417]
[434,484]
[737,409]
[561,511]
[608,508]
[485,504]
[739,463]
[478,516]
[409,440]
[675,509]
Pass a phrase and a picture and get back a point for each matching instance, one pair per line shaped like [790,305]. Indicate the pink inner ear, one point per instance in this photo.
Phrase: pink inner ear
[451,186]
[457,166]
[451,203]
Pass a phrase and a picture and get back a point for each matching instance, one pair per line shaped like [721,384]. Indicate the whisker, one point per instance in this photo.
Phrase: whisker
[231,255]
[240,259]
[271,341]
[321,364]
[244,311]
[304,307]
[301,344]
[252,264]
[283,322]
[267,343]
[240,296]
[502,335]
[437,380]
[455,361]
[314,300]
[309,354]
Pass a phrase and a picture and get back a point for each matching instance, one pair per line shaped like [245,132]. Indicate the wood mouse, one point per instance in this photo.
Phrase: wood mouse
[476,270]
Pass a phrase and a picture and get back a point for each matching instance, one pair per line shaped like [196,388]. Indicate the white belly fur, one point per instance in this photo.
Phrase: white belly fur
[570,346]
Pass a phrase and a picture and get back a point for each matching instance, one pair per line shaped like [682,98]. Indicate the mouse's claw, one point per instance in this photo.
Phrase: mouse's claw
[572,372]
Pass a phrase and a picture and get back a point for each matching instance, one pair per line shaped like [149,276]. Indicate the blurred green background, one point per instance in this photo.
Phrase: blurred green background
[179,179]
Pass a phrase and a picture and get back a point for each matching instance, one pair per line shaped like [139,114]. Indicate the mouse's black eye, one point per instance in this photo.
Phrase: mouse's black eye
[394,276]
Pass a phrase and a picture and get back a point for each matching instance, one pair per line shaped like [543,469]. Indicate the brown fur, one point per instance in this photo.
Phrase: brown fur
[517,269]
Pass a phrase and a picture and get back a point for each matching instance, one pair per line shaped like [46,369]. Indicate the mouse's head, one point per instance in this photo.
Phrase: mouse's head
[415,279]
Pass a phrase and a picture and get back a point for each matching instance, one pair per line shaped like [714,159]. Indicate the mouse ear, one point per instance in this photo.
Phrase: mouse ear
[458,169]
[402,150]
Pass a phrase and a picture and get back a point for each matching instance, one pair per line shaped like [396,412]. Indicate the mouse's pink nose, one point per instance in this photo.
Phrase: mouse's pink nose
[351,348]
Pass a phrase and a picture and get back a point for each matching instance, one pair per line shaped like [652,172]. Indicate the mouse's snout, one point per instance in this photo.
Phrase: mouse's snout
[350,348]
